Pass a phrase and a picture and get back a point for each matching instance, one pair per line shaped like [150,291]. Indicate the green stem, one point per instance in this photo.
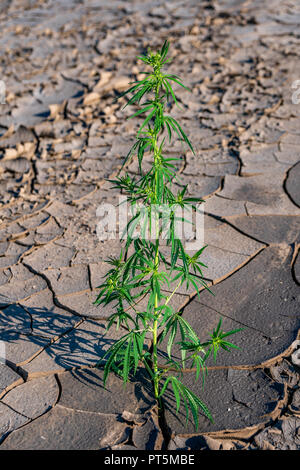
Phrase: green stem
[155,323]
[155,365]
[170,296]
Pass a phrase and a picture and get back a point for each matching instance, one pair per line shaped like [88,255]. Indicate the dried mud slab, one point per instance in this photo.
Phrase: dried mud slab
[84,390]
[87,416]
[297,268]
[261,197]
[283,436]
[292,185]
[205,442]
[26,402]
[67,429]
[237,399]
[270,228]
[263,301]
[9,378]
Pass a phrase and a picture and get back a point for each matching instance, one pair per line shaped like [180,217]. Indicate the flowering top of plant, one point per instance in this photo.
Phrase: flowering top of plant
[144,270]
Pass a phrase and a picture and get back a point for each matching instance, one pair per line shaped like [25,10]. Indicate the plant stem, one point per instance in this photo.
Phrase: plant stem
[170,296]
[155,366]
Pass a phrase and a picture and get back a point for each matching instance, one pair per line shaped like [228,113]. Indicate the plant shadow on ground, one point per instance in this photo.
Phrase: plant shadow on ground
[78,350]
[65,340]
[39,331]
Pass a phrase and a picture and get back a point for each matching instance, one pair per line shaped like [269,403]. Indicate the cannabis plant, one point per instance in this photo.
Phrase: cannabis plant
[143,271]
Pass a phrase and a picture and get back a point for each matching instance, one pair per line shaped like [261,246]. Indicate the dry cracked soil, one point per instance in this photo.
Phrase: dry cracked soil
[62,135]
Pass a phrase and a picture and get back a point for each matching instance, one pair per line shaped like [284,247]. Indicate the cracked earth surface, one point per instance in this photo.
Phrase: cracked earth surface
[61,136]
